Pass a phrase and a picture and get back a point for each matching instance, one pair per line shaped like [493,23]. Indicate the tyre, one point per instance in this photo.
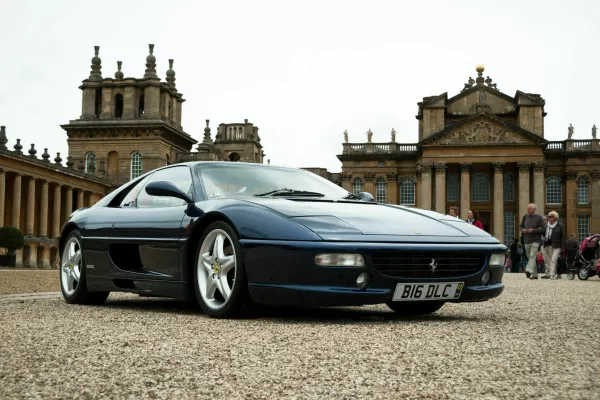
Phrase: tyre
[415,308]
[219,275]
[73,274]
[583,274]
[571,275]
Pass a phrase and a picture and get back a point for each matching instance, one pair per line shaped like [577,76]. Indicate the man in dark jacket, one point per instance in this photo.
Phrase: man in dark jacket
[532,228]
[554,242]
[571,247]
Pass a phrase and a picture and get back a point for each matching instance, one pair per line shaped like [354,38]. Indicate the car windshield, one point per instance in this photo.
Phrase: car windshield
[233,179]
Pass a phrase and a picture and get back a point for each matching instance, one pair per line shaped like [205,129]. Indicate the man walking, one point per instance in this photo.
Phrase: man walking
[532,228]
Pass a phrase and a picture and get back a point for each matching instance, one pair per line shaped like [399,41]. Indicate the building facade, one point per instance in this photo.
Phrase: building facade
[127,127]
[482,150]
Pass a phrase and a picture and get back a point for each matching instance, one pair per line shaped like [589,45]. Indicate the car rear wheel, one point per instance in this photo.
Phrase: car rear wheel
[219,275]
[73,274]
[415,308]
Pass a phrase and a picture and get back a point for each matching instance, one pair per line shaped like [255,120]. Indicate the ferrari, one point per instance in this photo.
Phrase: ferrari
[227,235]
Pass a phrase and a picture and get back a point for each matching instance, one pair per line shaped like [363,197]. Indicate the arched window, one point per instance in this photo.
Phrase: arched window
[480,188]
[407,191]
[118,105]
[553,190]
[357,186]
[582,190]
[452,189]
[381,191]
[509,187]
[136,164]
[90,162]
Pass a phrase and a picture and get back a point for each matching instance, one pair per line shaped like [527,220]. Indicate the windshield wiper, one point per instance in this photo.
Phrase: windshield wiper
[290,192]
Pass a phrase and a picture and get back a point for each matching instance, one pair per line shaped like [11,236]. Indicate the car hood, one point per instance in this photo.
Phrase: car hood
[356,217]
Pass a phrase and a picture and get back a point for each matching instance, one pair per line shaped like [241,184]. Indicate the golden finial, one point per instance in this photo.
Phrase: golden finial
[480,68]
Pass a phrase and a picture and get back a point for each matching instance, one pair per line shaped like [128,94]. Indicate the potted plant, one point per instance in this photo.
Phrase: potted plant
[11,239]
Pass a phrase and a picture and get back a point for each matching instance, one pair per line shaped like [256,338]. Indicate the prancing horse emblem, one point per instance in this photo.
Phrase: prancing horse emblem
[433,265]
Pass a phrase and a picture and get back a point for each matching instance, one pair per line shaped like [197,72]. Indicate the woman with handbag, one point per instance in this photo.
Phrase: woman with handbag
[553,243]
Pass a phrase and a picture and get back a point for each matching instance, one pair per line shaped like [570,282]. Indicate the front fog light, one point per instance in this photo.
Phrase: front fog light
[497,259]
[340,260]
[363,280]
[485,278]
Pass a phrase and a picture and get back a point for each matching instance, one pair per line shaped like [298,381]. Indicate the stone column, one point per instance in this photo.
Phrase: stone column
[56,219]
[595,198]
[465,190]
[2,195]
[68,203]
[46,258]
[30,216]
[498,230]
[32,260]
[440,187]
[392,188]
[570,191]
[44,210]
[369,183]
[16,206]
[524,197]
[539,186]
[426,186]
[79,199]
[92,198]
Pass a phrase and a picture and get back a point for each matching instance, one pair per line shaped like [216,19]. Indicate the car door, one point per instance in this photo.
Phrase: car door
[147,233]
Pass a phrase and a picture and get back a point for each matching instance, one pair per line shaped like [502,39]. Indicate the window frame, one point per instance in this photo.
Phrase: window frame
[384,185]
[550,179]
[473,191]
[413,186]
[131,177]
[452,178]
[587,190]
[148,179]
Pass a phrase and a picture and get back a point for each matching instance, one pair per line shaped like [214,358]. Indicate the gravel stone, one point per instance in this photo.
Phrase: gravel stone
[537,340]
[28,281]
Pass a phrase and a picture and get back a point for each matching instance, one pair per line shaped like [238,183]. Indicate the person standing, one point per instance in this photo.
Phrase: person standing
[532,228]
[454,211]
[554,242]
[571,247]
[472,219]
[515,257]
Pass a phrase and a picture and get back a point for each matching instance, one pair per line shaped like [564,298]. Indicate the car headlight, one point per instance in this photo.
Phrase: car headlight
[497,259]
[340,260]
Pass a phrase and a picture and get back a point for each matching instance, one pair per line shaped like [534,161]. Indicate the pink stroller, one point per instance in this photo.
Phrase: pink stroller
[586,260]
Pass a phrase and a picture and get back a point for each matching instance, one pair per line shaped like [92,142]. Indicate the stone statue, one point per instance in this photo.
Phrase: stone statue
[571,129]
[594,131]
[393,135]
[346,136]
[369,135]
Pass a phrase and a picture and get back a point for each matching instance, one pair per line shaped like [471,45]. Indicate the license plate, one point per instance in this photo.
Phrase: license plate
[428,291]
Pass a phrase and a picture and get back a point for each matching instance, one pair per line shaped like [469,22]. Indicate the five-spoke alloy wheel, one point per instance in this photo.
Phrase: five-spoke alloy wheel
[72,274]
[219,275]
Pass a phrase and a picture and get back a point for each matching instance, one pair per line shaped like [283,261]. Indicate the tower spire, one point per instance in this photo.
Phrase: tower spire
[150,64]
[171,74]
[119,74]
[95,74]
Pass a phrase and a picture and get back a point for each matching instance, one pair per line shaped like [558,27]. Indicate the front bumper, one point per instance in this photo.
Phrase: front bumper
[284,273]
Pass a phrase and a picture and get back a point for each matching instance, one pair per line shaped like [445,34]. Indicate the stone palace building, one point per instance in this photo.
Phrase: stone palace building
[127,126]
[481,150]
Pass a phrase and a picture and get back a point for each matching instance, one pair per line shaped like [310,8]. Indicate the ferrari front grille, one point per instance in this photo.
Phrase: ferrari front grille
[430,264]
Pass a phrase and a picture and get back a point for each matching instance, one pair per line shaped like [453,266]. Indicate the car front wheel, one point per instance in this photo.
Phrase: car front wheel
[219,275]
[73,274]
[415,308]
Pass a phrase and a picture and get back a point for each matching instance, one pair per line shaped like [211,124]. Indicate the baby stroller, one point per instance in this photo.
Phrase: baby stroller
[585,263]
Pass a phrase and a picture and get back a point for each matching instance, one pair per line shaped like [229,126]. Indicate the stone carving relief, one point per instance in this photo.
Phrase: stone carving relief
[392,176]
[482,131]
[595,175]
[369,176]
[346,177]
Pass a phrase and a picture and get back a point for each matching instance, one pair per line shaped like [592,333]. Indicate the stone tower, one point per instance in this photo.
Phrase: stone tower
[128,126]
[239,142]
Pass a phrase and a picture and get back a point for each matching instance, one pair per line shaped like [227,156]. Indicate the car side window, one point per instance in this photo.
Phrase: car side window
[180,176]
[129,200]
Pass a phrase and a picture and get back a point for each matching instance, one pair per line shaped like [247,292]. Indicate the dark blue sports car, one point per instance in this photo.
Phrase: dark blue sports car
[229,234]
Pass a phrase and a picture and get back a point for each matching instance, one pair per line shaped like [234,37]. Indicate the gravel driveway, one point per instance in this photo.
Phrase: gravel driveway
[539,339]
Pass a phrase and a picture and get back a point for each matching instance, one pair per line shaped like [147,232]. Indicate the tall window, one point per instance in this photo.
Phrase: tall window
[509,187]
[136,165]
[357,186]
[583,227]
[509,227]
[582,190]
[90,161]
[553,190]
[480,188]
[381,191]
[452,190]
[407,191]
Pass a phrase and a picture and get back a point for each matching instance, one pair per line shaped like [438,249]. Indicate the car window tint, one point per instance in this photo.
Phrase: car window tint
[129,200]
[178,176]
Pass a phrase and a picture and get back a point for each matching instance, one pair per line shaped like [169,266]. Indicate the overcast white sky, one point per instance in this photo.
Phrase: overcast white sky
[303,71]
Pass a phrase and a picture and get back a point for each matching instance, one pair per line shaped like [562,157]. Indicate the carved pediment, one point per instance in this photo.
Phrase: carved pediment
[482,131]
[483,99]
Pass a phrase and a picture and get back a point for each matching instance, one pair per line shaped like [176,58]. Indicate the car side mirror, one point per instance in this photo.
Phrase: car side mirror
[167,189]
[366,196]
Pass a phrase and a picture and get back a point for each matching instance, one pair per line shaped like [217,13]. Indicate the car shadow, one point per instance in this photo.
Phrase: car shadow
[278,314]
